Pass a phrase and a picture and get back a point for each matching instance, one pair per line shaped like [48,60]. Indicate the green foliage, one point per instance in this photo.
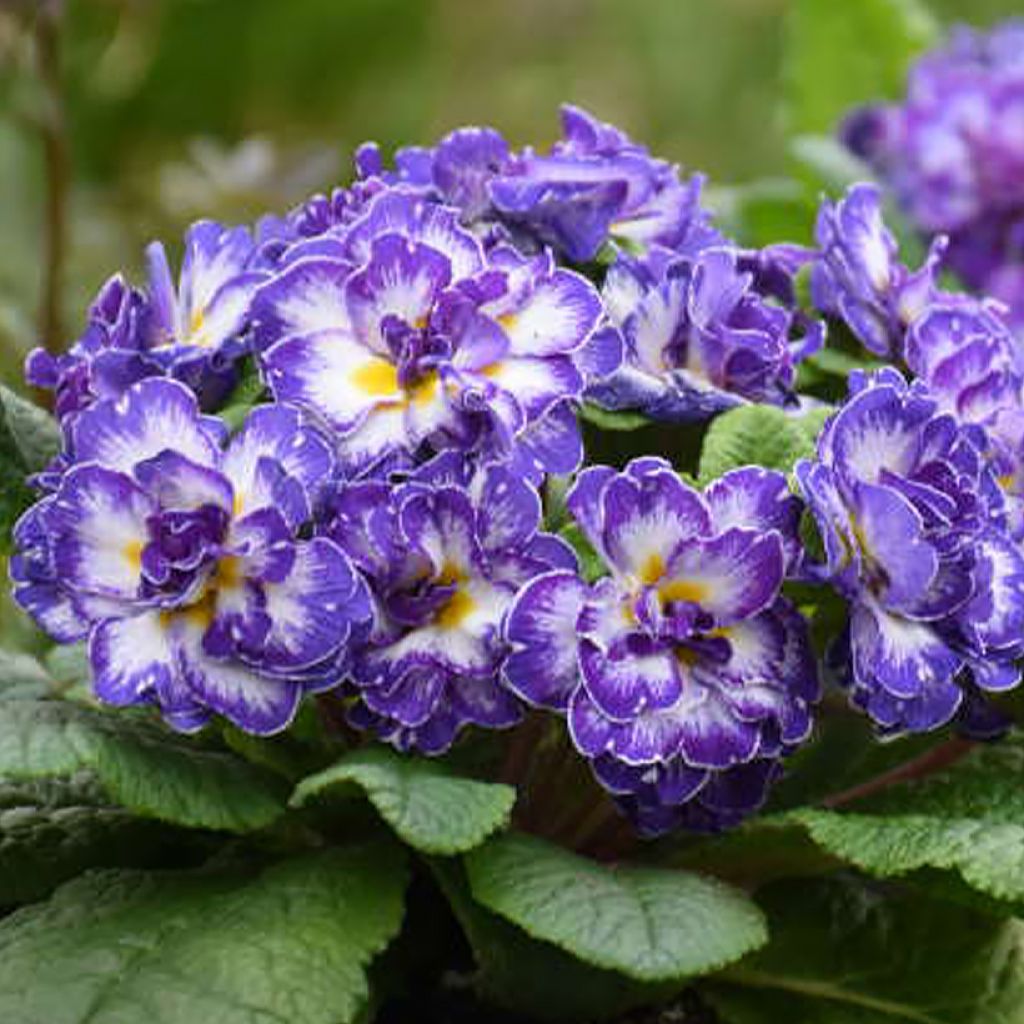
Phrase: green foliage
[968,818]
[759,435]
[429,807]
[22,677]
[647,923]
[139,765]
[53,829]
[592,565]
[609,419]
[843,952]
[839,55]
[533,977]
[28,439]
[290,944]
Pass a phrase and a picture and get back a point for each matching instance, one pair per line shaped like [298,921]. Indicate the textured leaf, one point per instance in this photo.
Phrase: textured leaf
[54,829]
[428,807]
[535,978]
[757,435]
[139,765]
[33,431]
[22,677]
[843,952]
[968,818]
[649,924]
[289,945]
[841,54]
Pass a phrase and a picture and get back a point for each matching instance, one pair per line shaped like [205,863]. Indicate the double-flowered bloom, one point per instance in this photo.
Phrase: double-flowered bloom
[444,553]
[953,153]
[700,335]
[409,338]
[178,555]
[684,674]
[194,332]
[916,537]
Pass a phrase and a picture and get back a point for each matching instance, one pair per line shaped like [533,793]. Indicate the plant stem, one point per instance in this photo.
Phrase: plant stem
[56,159]
[928,763]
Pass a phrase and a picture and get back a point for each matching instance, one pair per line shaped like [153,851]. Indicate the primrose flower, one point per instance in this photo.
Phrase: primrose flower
[180,560]
[444,553]
[408,339]
[193,332]
[953,153]
[858,278]
[915,532]
[597,185]
[684,674]
[698,336]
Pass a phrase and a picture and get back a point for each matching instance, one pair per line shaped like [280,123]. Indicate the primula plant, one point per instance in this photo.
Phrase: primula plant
[508,584]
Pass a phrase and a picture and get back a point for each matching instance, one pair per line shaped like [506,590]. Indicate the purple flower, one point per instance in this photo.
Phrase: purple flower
[914,528]
[193,332]
[596,184]
[858,278]
[684,674]
[953,152]
[700,336]
[178,556]
[444,553]
[407,338]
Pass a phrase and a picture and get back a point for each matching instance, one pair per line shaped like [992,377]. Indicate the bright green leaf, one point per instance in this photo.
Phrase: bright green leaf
[839,55]
[290,945]
[757,435]
[611,419]
[647,923]
[843,952]
[428,807]
[140,766]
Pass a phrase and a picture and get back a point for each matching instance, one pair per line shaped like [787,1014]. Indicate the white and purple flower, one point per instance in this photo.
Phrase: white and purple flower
[404,335]
[194,332]
[699,336]
[858,278]
[444,553]
[684,674]
[915,532]
[178,555]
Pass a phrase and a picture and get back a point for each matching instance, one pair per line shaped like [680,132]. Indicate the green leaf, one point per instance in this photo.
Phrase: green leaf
[827,163]
[765,211]
[535,978]
[32,431]
[139,765]
[839,55]
[246,394]
[968,819]
[758,435]
[592,565]
[22,677]
[430,808]
[54,829]
[611,419]
[649,924]
[289,945]
[843,952]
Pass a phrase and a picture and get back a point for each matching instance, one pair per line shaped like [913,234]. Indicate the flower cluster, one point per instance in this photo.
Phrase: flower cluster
[390,519]
[953,153]
[684,674]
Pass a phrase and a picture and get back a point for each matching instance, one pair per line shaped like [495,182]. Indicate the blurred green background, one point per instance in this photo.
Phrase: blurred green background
[180,108]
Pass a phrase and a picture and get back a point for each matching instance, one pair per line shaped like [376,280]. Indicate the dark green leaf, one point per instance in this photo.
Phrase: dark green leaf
[290,945]
[33,431]
[843,952]
[54,829]
[535,978]
[647,923]
[140,766]
[428,806]
[839,55]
